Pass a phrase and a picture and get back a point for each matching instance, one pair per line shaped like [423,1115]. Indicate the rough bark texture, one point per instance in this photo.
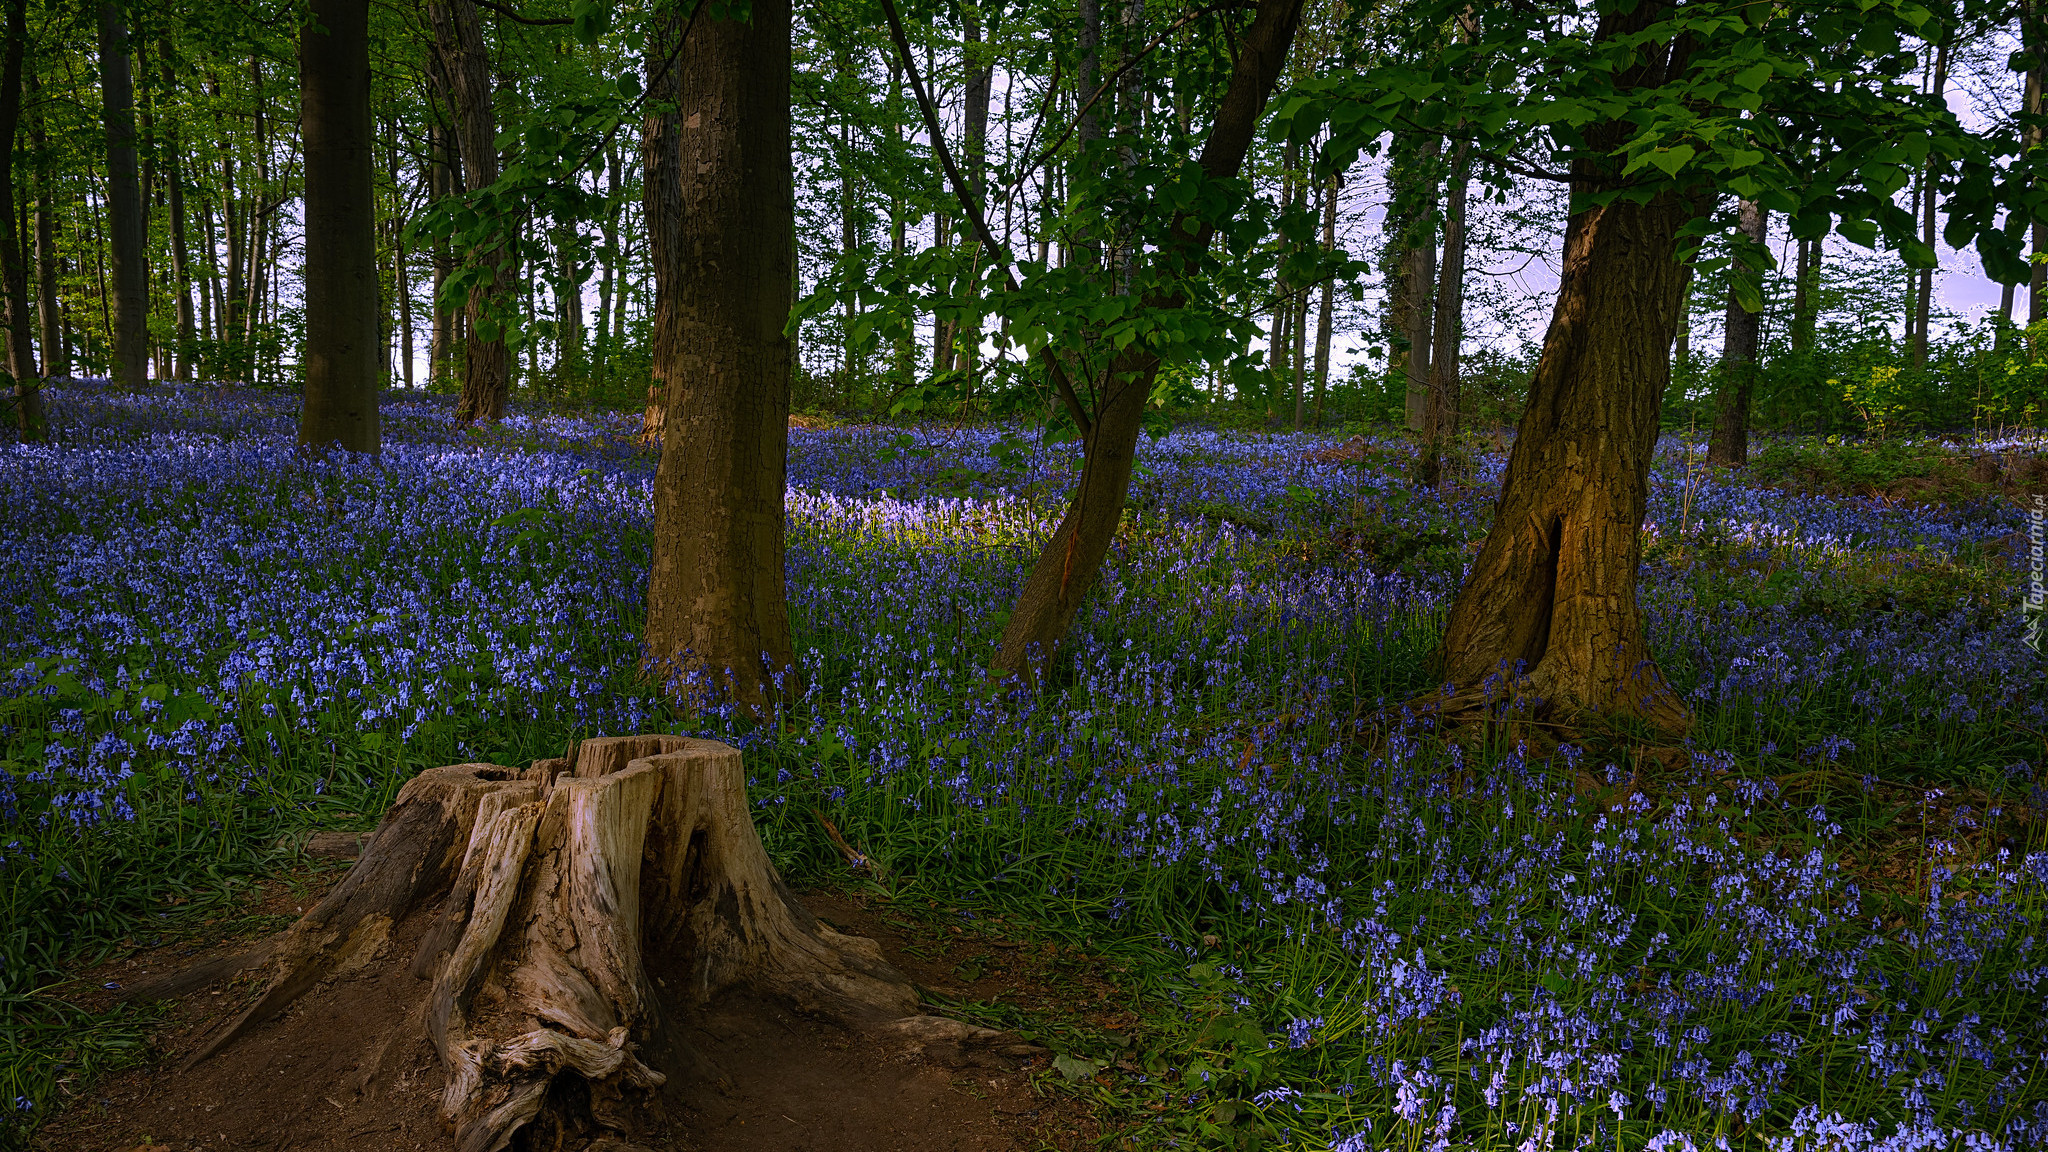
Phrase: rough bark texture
[661,205]
[1740,331]
[715,598]
[21,358]
[130,287]
[1072,559]
[568,917]
[343,304]
[486,367]
[1548,611]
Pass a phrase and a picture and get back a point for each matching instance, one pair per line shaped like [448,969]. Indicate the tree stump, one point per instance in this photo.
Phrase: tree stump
[574,910]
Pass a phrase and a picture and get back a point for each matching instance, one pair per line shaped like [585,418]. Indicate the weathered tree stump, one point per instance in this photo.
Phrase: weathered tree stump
[574,910]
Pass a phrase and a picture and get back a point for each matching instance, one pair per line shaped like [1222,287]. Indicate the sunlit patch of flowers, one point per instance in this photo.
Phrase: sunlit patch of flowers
[1384,940]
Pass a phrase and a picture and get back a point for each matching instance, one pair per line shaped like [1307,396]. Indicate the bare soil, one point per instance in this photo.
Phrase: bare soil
[770,1080]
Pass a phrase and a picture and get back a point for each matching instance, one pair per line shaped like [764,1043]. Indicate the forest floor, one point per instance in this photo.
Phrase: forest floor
[786,1083]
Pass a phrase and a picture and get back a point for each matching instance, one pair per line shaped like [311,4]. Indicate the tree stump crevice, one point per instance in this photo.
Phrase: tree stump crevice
[573,913]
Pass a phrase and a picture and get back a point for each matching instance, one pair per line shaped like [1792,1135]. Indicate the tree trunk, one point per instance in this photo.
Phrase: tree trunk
[1440,410]
[608,257]
[486,370]
[1324,307]
[56,350]
[1806,270]
[1412,180]
[130,289]
[444,180]
[1072,560]
[565,922]
[661,203]
[1729,445]
[1923,297]
[26,383]
[1547,614]
[181,249]
[2032,35]
[717,620]
[343,350]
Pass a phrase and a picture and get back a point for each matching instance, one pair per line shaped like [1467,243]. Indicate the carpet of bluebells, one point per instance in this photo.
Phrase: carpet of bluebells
[1344,931]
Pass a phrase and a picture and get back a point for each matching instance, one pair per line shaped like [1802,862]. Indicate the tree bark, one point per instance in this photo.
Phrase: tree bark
[181,249]
[1806,270]
[2032,35]
[1412,182]
[130,288]
[56,353]
[565,922]
[1923,295]
[486,367]
[1072,560]
[26,383]
[717,619]
[1440,408]
[1547,615]
[661,202]
[343,349]
[1729,445]
[1323,309]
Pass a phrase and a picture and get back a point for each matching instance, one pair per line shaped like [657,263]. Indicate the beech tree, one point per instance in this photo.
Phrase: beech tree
[125,226]
[1647,111]
[343,302]
[721,208]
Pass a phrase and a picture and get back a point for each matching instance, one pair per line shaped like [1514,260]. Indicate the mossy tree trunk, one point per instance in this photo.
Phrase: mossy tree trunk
[1548,610]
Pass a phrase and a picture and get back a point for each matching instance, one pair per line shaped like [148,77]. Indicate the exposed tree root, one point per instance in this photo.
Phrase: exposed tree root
[571,911]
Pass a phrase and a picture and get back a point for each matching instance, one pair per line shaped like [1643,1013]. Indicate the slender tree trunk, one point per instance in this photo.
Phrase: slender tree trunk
[130,295]
[1072,560]
[21,358]
[601,351]
[1412,180]
[1323,309]
[445,181]
[342,351]
[1730,442]
[981,72]
[486,375]
[56,348]
[1923,295]
[2032,35]
[181,249]
[716,607]
[1440,412]
[1804,294]
[661,203]
[1548,609]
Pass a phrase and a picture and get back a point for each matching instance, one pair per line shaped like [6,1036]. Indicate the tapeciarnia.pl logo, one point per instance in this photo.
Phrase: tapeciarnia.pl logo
[2036,606]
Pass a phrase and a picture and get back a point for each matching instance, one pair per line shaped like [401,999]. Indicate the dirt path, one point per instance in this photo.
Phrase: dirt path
[775,1082]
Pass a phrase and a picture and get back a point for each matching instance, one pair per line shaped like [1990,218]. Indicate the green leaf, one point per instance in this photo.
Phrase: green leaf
[1672,159]
[1075,1068]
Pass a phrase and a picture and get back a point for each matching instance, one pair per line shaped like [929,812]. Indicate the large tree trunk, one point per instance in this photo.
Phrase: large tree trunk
[1740,330]
[1447,329]
[564,922]
[130,289]
[1548,612]
[342,350]
[1072,559]
[486,369]
[715,600]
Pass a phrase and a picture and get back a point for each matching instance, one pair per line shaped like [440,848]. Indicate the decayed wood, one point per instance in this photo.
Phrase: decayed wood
[572,911]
